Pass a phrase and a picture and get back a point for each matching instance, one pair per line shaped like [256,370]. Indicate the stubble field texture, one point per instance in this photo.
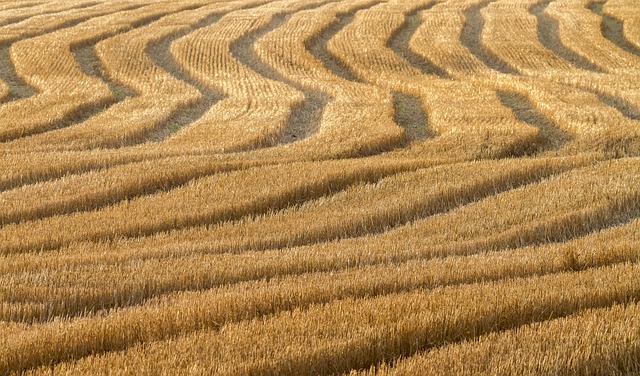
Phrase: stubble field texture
[320,187]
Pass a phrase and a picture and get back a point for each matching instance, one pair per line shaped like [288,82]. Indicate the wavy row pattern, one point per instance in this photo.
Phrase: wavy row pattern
[321,187]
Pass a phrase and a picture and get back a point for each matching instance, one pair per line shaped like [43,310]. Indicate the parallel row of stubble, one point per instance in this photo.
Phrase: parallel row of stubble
[333,277]
[13,18]
[201,201]
[350,104]
[390,202]
[341,135]
[468,119]
[511,35]
[354,333]
[254,111]
[625,12]
[47,63]
[603,341]
[578,112]
[123,58]
[195,265]
[580,29]
[231,246]
[449,95]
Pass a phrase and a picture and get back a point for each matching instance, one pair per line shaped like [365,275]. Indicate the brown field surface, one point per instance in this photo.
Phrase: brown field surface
[320,187]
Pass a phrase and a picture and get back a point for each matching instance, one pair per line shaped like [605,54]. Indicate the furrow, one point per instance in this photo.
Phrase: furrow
[160,53]
[455,118]
[579,29]
[36,26]
[97,189]
[305,117]
[358,333]
[254,108]
[90,64]
[596,342]
[183,313]
[226,198]
[523,109]
[21,4]
[141,115]
[390,203]
[399,43]
[625,11]
[16,15]
[438,39]
[12,86]
[317,44]
[549,36]
[410,115]
[65,92]
[612,29]
[511,34]
[358,118]
[471,38]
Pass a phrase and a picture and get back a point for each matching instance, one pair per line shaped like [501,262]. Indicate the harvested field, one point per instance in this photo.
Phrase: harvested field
[320,187]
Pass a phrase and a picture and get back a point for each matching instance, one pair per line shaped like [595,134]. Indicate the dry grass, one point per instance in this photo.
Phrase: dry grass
[303,187]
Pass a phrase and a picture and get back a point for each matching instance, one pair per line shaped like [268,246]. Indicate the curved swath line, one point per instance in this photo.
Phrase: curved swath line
[159,52]
[408,109]
[22,15]
[612,29]
[103,127]
[511,35]
[399,43]
[242,50]
[352,105]
[358,334]
[281,195]
[608,333]
[579,28]
[108,187]
[471,38]
[367,223]
[415,208]
[16,87]
[625,108]
[116,129]
[317,45]
[91,66]
[56,106]
[409,114]
[360,317]
[626,13]
[93,160]
[110,120]
[33,27]
[188,235]
[452,114]
[22,4]
[235,114]
[549,36]
[610,221]
[351,279]
[522,108]
[125,296]
[305,117]
[572,117]
[256,119]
